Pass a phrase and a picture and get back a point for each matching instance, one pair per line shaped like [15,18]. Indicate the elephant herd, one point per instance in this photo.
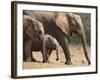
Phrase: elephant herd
[45,31]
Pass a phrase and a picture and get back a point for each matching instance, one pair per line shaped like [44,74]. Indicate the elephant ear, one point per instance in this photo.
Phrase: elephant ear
[72,18]
[28,26]
[30,31]
[75,20]
[62,22]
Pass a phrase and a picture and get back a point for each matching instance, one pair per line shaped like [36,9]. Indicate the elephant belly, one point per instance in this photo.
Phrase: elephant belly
[36,45]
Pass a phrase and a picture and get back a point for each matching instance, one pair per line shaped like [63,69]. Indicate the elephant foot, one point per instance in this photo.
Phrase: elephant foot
[33,60]
[89,63]
[44,61]
[57,59]
[68,62]
[28,60]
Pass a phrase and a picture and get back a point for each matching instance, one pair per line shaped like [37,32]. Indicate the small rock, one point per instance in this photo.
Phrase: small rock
[83,61]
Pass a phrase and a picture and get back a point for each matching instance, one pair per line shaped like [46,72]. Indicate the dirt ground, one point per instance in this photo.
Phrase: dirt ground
[77,58]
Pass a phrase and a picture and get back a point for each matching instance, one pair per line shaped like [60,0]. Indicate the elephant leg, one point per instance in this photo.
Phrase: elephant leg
[48,54]
[65,46]
[44,55]
[57,55]
[32,58]
[44,51]
[24,56]
[27,48]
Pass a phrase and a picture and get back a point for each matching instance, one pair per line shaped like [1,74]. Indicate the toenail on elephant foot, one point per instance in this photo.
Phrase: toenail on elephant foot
[44,61]
[57,59]
[68,63]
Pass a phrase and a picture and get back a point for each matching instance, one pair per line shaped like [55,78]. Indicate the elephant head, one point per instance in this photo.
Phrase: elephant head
[33,28]
[71,23]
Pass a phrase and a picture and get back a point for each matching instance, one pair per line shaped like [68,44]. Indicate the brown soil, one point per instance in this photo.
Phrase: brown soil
[77,57]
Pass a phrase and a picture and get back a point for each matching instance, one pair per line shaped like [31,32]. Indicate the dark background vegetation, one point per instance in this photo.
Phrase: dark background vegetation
[86,20]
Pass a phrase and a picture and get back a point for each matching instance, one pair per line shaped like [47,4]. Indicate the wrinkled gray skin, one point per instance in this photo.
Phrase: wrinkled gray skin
[32,31]
[33,40]
[50,45]
[61,26]
[49,42]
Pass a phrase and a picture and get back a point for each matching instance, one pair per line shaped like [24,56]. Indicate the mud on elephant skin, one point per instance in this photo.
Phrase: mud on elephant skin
[61,26]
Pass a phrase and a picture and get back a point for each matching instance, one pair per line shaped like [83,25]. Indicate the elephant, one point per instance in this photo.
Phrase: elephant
[61,25]
[50,44]
[32,30]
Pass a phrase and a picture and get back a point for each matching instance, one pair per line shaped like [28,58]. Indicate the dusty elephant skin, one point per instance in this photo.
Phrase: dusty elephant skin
[33,40]
[61,26]
[50,45]
[33,31]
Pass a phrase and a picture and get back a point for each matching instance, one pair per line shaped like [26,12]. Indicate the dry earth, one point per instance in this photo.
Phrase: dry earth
[77,57]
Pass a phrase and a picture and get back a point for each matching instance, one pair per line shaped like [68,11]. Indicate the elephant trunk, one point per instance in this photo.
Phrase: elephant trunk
[83,38]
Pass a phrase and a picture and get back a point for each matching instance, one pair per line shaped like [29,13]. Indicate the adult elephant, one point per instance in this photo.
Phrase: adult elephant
[32,31]
[61,26]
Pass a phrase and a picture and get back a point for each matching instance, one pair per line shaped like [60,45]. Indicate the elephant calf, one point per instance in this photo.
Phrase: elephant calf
[50,44]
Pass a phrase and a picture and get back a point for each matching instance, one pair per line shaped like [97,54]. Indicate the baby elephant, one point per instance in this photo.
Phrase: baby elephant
[50,45]
[46,46]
